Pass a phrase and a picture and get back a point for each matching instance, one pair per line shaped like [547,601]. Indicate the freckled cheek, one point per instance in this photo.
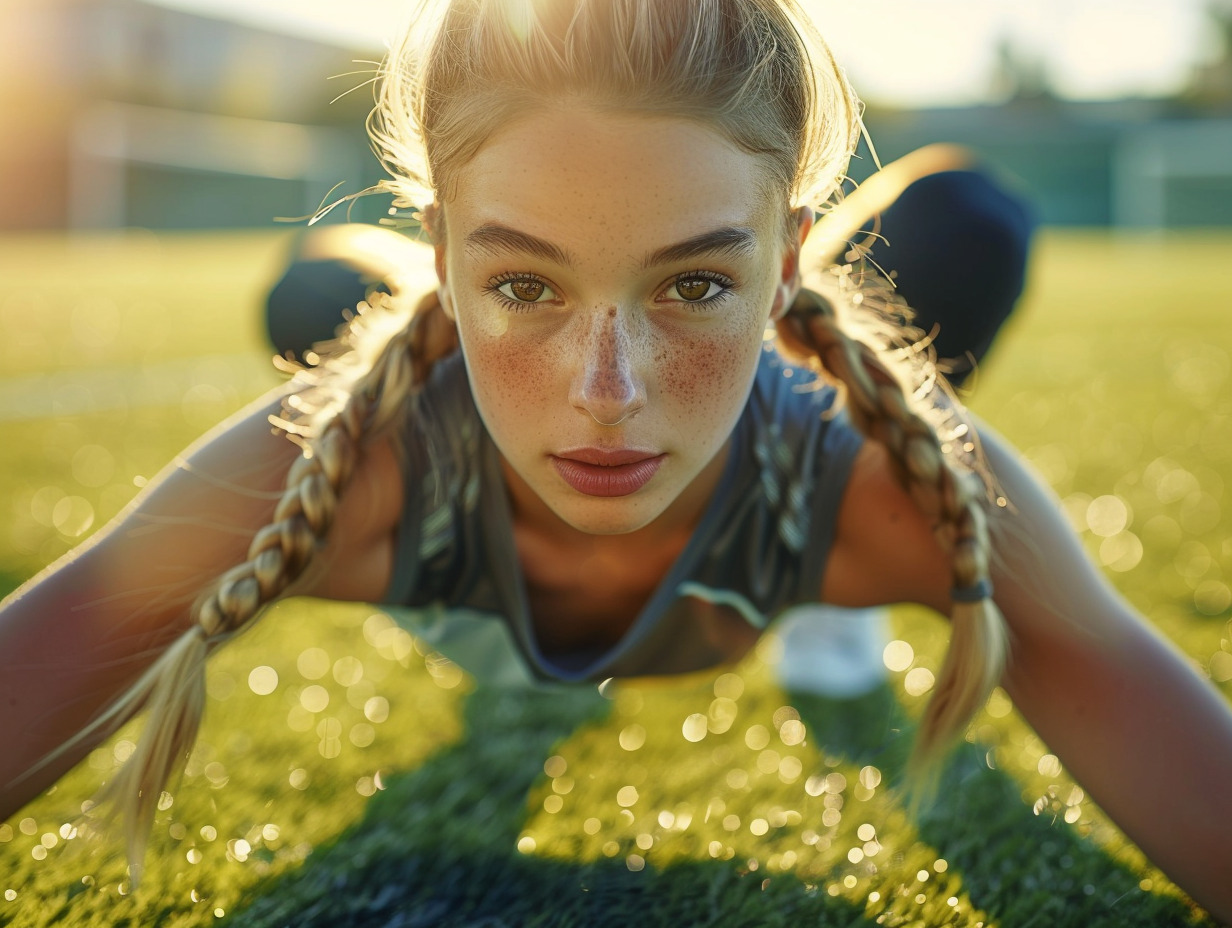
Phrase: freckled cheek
[704,377]
[511,374]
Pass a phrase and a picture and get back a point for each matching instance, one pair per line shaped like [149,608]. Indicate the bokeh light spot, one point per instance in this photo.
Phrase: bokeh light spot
[263,680]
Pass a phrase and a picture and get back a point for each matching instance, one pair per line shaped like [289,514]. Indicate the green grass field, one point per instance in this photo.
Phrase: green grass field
[346,777]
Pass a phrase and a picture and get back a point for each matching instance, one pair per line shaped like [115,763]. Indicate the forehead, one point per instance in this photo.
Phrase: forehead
[577,175]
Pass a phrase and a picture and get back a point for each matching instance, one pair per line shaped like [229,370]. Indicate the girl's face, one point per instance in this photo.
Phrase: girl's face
[611,277]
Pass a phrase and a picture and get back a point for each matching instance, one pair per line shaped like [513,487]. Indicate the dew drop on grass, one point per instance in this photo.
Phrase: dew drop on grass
[1107,515]
[790,768]
[756,737]
[263,680]
[73,516]
[695,727]
[722,713]
[314,698]
[1212,597]
[737,778]
[1121,552]
[918,681]
[1221,672]
[348,670]
[632,737]
[768,761]
[376,709]
[897,656]
[792,732]
[312,663]
[43,504]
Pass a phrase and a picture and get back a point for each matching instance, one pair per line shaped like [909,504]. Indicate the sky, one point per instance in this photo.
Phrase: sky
[898,52]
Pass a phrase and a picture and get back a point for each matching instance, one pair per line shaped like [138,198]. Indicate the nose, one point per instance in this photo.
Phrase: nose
[608,386]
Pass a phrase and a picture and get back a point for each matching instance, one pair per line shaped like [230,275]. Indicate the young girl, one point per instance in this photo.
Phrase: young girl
[583,453]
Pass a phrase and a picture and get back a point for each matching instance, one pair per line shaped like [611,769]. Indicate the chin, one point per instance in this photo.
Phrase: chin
[608,517]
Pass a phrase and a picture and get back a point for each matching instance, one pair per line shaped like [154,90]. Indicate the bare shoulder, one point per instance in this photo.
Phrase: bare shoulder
[884,549]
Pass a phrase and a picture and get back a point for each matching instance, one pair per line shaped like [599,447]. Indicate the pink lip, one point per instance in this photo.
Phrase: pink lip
[599,472]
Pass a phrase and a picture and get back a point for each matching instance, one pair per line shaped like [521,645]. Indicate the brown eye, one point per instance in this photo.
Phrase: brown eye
[528,291]
[693,289]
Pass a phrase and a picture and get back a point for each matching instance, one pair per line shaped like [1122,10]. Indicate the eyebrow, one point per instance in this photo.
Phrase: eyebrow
[734,240]
[495,238]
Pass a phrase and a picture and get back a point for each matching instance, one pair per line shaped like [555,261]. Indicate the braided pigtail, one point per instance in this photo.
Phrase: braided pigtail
[358,390]
[950,490]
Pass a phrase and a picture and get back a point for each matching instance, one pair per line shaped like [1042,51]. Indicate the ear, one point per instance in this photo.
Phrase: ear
[789,273]
[442,288]
[433,221]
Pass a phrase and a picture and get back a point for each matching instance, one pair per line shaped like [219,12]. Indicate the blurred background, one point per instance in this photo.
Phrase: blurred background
[178,114]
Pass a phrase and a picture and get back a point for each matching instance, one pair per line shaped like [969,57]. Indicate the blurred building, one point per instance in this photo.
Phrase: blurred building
[124,112]
[1133,163]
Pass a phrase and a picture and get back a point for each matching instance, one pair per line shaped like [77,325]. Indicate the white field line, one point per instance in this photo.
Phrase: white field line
[203,379]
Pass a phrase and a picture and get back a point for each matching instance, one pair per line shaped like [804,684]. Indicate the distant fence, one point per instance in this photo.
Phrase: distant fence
[146,166]
[1089,166]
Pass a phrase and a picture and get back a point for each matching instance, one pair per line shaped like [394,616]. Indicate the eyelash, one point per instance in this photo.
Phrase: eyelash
[726,284]
[515,306]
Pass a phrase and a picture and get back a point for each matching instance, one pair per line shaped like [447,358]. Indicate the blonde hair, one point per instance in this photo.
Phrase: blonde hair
[755,70]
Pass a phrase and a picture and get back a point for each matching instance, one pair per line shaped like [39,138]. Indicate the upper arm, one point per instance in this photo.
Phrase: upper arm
[82,631]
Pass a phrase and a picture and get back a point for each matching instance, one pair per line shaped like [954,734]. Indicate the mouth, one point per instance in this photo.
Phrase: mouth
[599,472]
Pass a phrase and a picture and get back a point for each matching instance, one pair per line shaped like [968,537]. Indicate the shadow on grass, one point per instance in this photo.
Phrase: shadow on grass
[436,848]
[1022,868]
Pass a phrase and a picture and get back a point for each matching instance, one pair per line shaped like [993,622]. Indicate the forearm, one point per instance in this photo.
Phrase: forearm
[61,661]
[1148,739]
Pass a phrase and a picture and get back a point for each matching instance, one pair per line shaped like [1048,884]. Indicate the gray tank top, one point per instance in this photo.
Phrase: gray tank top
[760,546]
